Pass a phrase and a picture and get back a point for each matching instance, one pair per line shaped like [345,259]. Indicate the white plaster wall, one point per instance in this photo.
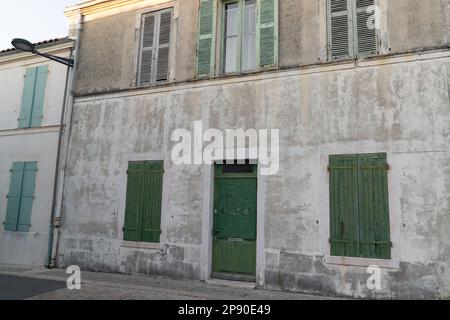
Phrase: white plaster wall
[11,90]
[28,248]
[23,145]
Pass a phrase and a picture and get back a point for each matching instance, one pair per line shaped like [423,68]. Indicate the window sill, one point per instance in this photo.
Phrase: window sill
[362,262]
[142,245]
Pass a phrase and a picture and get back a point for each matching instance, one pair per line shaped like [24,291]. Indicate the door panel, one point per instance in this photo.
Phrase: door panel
[234,247]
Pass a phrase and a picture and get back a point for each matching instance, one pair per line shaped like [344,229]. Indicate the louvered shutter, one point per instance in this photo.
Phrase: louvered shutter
[365,30]
[148,38]
[162,68]
[27,196]
[340,35]
[144,200]
[37,113]
[344,233]
[268,19]
[15,191]
[153,180]
[373,202]
[27,98]
[206,37]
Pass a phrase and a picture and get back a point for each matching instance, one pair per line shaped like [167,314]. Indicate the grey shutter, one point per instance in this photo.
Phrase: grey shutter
[339,29]
[148,38]
[162,68]
[366,37]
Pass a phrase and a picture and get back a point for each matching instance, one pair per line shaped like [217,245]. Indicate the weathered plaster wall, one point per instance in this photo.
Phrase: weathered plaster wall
[399,106]
[414,24]
[186,45]
[106,54]
[109,51]
[299,32]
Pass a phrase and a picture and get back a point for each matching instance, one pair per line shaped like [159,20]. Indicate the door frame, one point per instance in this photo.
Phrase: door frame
[208,220]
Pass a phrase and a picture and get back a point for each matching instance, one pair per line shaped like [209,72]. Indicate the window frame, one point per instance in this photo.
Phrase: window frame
[241,17]
[22,227]
[141,242]
[353,33]
[359,206]
[155,48]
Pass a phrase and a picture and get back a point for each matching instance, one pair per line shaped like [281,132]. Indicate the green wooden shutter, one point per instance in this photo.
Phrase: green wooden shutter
[153,179]
[144,198]
[366,42]
[344,206]
[340,36]
[27,98]
[374,225]
[37,112]
[206,37]
[268,33]
[14,195]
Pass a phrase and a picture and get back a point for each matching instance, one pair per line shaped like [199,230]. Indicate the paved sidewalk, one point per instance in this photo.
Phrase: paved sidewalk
[102,286]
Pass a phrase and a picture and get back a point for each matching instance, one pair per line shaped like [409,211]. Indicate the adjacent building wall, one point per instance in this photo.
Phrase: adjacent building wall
[34,144]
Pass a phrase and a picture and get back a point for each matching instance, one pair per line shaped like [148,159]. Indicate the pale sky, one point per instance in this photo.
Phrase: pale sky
[34,20]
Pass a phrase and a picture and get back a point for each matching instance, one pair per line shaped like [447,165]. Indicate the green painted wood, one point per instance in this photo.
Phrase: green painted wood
[267,34]
[27,98]
[235,213]
[206,37]
[144,201]
[373,200]
[359,206]
[27,196]
[37,113]
[14,195]
[344,206]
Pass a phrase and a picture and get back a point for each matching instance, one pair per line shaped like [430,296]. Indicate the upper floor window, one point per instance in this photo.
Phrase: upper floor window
[248,35]
[33,98]
[239,36]
[352,28]
[155,47]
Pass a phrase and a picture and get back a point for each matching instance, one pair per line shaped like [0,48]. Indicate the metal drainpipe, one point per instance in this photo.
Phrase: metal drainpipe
[58,161]
[63,148]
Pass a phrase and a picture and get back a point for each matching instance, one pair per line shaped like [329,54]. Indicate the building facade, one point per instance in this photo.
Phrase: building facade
[359,93]
[32,97]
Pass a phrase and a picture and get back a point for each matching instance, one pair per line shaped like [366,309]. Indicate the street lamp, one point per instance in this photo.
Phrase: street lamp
[27,46]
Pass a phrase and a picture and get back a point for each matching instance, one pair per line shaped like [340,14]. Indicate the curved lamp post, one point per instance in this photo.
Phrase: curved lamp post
[27,46]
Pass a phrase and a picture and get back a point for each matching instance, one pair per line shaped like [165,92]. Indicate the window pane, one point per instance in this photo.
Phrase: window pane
[249,41]
[231,37]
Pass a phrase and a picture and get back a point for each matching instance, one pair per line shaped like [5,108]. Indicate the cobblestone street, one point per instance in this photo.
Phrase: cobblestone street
[43,284]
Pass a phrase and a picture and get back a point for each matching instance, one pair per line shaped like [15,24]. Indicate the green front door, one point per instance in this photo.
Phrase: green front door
[234,245]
